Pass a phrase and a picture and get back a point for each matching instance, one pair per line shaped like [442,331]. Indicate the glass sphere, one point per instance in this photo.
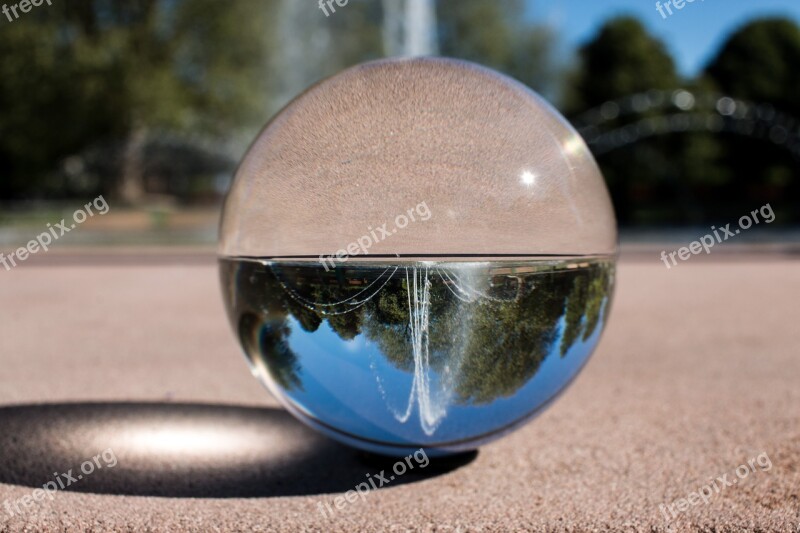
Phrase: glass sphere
[417,253]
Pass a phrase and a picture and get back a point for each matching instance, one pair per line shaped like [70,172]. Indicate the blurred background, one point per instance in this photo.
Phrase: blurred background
[692,113]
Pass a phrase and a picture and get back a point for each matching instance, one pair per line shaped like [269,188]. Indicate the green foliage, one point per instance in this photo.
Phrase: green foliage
[93,71]
[51,103]
[346,325]
[587,302]
[759,63]
[508,343]
[573,320]
[218,61]
[596,302]
[265,343]
[621,60]
[692,177]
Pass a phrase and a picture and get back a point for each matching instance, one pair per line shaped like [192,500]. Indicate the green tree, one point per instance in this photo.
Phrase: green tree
[759,63]
[51,102]
[573,319]
[266,345]
[100,72]
[620,61]
[509,340]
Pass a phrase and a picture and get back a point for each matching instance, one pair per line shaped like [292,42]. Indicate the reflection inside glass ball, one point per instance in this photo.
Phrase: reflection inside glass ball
[393,356]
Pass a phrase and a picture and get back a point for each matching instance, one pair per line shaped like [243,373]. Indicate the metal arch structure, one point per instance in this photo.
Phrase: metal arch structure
[680,111]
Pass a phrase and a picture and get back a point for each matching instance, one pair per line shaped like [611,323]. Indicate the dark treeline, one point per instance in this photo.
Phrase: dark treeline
[135,99]
[731,142]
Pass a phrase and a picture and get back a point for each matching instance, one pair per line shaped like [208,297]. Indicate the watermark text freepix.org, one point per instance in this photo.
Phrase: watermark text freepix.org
[329,3]
[706,242]
[669,4]
[24,6]
[363,243]
[61,482]
[706,492]
[373,483]
[54,231]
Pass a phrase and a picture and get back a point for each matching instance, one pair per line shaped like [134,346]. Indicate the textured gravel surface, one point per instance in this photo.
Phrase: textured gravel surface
[697,373]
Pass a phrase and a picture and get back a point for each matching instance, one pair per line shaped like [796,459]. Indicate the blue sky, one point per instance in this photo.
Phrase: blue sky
[341,387]
[692,35]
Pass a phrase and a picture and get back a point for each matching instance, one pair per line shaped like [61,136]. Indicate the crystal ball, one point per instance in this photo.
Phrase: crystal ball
[417,253]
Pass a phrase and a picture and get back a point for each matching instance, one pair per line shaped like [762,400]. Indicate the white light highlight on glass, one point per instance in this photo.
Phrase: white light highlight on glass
[528,178]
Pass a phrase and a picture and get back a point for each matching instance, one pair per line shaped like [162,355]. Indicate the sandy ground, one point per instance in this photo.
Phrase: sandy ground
[697,373]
